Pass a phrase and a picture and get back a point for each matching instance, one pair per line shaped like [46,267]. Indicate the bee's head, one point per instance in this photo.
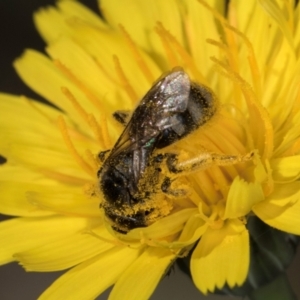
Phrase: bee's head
[123,223]
[116,188]
[119,199]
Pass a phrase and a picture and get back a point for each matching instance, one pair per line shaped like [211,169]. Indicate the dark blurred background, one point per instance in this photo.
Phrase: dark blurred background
[17,32]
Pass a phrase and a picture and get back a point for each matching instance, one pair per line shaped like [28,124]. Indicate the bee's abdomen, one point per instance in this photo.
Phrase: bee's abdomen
[201,107]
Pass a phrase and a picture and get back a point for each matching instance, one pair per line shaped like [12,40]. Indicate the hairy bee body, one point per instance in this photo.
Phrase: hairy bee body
[173,108]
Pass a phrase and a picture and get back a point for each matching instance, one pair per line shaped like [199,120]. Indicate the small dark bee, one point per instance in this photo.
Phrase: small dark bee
[173,108]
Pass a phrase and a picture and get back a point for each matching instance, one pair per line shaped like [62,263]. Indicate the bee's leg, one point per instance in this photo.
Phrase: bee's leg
[156,161]
[122,116]
[166,188]
[103,155]
[203,161]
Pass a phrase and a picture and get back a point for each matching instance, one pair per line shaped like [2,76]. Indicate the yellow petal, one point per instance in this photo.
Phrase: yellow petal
[28,151]
[141,278]
[286,168]
[30,113]
[41,75]
[241,197]
[275,51]
[279,27]
[201,25]
[84,66]
[14,200]
[25,129]
[52,23]
[45,159]
[272,8]
[74,8]
[36,156]
[288,135]
[22,234]
[221,256]
[23,137]
[297,29]
[70,201]
[241,14]
[65,252]
[163,227]
[192,231]
[93,47]
[15,182]
[91,277]
[104,46]
[146,13]
[28,117]
[282,209]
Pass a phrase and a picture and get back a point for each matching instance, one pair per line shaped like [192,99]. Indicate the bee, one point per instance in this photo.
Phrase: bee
[172,109]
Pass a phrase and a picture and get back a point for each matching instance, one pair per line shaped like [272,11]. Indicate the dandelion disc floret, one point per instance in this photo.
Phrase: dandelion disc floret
[108,202]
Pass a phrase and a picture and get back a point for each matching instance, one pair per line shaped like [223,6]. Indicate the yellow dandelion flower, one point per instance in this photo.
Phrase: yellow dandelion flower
[248,57]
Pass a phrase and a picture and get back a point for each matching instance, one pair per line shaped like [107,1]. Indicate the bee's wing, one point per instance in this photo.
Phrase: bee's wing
[130,140]
[156,111]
